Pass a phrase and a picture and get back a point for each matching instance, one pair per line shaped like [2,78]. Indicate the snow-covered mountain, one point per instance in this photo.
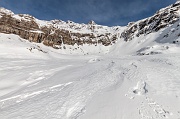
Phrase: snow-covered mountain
[157,34]
[90,71]
[72,37]
[158,21]
[55,33]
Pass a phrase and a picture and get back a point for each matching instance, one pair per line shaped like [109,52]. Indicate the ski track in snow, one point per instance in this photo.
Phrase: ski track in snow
[167,84]
[68,100]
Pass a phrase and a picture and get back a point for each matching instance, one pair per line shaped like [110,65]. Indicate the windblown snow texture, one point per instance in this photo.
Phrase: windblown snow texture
[134,79]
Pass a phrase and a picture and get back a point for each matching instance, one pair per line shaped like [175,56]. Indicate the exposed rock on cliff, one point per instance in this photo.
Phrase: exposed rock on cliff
[161,19]
[54,33]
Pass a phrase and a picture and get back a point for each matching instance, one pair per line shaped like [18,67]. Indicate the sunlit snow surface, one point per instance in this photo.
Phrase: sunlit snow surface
[39,82]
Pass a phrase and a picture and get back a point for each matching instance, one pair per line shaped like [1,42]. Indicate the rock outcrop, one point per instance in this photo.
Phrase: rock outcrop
[161,19]
[55,33]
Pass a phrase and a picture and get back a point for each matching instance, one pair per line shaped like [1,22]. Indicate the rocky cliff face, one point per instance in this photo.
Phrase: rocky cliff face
[161,19]
[55,33]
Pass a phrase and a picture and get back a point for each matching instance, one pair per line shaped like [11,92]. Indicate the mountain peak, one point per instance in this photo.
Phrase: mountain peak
[92,22]
[5,11]
[56,32]
[159,20]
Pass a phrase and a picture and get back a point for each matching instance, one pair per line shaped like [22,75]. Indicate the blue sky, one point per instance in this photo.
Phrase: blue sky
[104,12]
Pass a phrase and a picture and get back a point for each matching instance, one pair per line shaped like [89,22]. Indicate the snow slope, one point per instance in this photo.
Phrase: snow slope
[39,82]
[138,79]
